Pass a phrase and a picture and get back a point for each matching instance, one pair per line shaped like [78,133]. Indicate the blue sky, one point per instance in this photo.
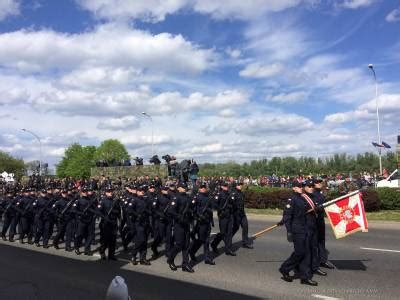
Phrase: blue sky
[222,80]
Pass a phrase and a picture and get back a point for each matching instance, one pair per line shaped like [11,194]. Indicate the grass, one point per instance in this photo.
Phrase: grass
[383,215]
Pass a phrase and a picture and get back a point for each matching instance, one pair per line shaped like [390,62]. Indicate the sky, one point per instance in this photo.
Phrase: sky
[221,80]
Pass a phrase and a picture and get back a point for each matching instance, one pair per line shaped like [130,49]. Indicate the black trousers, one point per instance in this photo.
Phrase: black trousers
[322,252]
[240,220]
[225,233]
[160,233]
[10,222]
[26,225]
[203,231]
[85,230]
[182,242]
[66,228]
[300,259]
[141,237]
[108,237]
[43,230]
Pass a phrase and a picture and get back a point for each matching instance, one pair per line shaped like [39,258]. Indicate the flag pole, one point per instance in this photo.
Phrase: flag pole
[326,204]
[256,235]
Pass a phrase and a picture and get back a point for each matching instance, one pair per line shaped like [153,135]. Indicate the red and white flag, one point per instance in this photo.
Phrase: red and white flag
[347,215]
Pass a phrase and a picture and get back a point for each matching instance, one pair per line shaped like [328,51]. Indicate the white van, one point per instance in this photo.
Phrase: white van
[392,181]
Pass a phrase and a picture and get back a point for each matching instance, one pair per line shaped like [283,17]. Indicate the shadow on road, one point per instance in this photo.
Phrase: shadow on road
[26,274]
[350,264]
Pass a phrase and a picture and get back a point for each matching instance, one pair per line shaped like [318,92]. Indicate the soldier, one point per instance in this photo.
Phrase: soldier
[160,222]
[311,219]
[10,216]
[110,211]
[65,219]
[141,212]
[84,208]
[239,216]
[203,214]
[319,200]
[43,217]
[224,205]
[298,234]
[181,230]
[152,198]
[128,233]
[27,216]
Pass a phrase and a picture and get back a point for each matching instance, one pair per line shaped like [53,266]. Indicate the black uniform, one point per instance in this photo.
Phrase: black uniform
[203,215]
[110,212]
[300,228]
[43,219]
[65,220]
[239,217]
[161,224]
[224,205]
[319,199]
[10,217]
[141,213]
[182,229]
[84,208]
[27,218]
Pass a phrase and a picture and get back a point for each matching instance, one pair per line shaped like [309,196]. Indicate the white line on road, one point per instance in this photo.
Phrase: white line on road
[383,250]
[324,297]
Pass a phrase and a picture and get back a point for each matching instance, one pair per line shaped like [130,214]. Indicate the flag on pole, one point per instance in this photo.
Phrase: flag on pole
[347,215]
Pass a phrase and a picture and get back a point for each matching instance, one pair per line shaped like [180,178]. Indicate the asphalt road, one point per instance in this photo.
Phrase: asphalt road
[365,270]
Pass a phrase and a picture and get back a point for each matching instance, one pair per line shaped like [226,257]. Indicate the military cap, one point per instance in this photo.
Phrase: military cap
[297,184]
[182,185]
[309,183]
[203,185]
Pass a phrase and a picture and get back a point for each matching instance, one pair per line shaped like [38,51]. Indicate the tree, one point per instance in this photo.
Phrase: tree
[111,151]
[77,161]
[10,164]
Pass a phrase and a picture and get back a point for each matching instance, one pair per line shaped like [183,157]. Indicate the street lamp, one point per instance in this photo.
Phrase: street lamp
[40,148]
[152,132]
[377,118]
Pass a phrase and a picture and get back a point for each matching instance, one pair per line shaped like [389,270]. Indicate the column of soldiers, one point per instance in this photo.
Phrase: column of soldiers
[137,213]
[303,218]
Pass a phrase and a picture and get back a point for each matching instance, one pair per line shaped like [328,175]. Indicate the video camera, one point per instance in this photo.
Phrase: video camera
[138,161]
[155,160]
[167,158]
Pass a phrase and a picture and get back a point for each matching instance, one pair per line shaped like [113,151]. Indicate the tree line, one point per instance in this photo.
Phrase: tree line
[78,160]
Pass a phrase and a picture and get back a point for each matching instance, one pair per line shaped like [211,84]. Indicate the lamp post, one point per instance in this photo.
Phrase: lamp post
[377,117]
[152,132]
[40,148]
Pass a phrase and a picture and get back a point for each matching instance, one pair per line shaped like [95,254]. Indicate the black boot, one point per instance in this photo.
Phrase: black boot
[134,261]
[171,265]
[144,262]
[327,265]
[77,251]
[209,262]
[188,269]
[309,282]
[320,272]
[230,253]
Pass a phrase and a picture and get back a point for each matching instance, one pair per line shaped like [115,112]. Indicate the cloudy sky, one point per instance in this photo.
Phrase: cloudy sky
[222,80]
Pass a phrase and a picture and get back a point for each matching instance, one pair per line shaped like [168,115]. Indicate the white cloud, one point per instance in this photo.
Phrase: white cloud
[149,10]
[233,53]
[256,70]
[108,45]
[355,4]
[393,16]
[8,8]
[292,97]
[157,10]
[389,109]
[125,123]
[227,113]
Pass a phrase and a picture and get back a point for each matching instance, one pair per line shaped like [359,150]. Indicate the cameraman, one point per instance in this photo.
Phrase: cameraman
[193,171]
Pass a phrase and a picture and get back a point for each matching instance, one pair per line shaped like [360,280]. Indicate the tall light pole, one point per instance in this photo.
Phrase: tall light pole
[40,148]
[152,132]
[377,117]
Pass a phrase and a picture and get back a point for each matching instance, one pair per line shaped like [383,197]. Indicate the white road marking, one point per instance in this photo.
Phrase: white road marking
[383,250]
[324,297]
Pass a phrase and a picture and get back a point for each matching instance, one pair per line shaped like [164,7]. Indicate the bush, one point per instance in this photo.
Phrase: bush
[260,197]
[266,197]
[390,198]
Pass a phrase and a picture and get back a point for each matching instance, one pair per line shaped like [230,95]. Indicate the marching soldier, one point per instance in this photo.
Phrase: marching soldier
[84,208]
[10,216]
[297,233]
[161,223]
[203,214]
[224,206]
[239,216]
[43,217]
[110,211]
[181,230]
[140,210]
[319,200]
[65,219]
[27,216]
